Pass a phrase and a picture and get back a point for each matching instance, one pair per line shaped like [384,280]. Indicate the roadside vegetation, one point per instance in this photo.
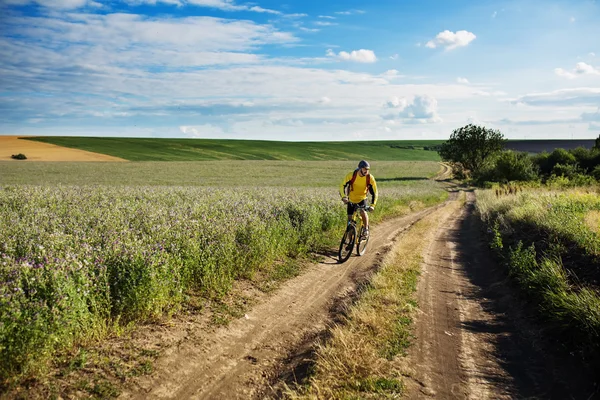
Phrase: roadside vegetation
[542,214]
[549,241]
[363,356]
[82,262]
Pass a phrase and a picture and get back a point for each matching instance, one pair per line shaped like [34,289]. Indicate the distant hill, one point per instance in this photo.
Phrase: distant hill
[538,146]
[152,149]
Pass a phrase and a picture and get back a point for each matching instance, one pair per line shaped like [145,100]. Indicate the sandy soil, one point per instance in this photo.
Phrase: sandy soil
[38,151]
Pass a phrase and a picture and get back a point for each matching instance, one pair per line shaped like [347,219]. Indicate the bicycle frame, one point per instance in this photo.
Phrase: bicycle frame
[353,236]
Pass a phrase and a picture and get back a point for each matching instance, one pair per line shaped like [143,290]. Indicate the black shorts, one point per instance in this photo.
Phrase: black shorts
[352,206]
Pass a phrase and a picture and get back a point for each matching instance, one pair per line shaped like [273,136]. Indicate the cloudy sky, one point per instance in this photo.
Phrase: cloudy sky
[299,69]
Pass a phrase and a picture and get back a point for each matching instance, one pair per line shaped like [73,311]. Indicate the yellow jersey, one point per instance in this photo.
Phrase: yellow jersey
[358,190]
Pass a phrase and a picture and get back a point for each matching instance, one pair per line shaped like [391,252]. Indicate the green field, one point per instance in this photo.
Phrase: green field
[143,149]
[211,173]
[88,248]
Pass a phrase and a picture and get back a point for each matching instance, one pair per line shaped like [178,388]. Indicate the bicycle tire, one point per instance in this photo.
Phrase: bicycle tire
[361,245]
[347,244]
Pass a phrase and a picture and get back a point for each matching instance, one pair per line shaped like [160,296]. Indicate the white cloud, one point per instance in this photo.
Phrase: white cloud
[423,109]
[362,55]
[395,102]
[451,40]
[494,14]
[594,126]
[80,35]
[394,57]
[350,12]
[326,16]
[462,81]
[391,74]
[325,23]
[592,54]
[225,5]
[56,4]
[581,68]
[562,97]
[572,19]
[564,73]
[325,100]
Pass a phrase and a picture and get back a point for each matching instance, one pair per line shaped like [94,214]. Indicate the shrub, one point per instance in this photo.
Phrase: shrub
[514,166]
[566,170]
[19,156]
[596,173]
[585,158]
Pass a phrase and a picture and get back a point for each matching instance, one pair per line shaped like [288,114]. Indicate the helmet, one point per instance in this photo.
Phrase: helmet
[364,164]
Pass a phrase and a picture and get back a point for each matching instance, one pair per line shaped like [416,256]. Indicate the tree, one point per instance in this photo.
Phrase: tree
[597,144]
[472,147]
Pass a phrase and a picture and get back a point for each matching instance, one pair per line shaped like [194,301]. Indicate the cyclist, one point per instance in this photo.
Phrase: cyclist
[354,191]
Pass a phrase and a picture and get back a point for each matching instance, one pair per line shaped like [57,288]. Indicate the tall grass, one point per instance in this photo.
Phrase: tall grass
[77,261]
[553,256]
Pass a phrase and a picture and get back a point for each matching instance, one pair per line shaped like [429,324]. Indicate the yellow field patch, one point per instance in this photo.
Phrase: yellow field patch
[38,151]
[592,220]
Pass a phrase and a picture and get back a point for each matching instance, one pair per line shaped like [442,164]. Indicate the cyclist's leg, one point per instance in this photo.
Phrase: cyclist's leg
[350,210]
[365,218]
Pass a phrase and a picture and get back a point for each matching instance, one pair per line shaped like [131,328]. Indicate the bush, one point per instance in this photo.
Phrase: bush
[596,173]
[547,161]
[19,156]
[514,166]
[566,170]
[510,166]
[585,158]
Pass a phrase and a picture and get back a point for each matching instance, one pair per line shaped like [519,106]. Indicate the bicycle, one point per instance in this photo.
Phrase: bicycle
[353,236]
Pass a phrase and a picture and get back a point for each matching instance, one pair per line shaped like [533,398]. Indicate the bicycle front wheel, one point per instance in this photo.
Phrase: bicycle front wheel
[347,244]
[361,245]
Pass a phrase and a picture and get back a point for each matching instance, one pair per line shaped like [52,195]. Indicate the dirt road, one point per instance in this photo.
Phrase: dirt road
[466,342]
[474,338]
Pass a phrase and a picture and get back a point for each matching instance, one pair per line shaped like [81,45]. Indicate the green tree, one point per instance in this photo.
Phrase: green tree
[597,144]
[471,147]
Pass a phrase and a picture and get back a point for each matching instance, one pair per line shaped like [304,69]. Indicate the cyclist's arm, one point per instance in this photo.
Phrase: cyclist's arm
[373,191]
[343,185]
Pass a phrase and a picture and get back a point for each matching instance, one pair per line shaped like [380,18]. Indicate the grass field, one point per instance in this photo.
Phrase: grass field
[141,149]
[211,173]
[86,248]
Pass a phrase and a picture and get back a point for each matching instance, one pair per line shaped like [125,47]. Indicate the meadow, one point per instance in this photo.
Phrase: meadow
[549,240]
[148,149]
[223,173]
[88,248]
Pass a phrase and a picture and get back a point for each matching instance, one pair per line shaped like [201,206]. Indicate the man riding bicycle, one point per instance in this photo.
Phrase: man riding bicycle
[354,191]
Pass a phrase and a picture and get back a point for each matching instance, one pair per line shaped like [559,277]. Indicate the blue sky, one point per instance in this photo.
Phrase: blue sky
[299,70]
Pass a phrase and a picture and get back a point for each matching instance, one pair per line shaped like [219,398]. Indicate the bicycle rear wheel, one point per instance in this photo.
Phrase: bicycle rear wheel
[347,244]
[361,245]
